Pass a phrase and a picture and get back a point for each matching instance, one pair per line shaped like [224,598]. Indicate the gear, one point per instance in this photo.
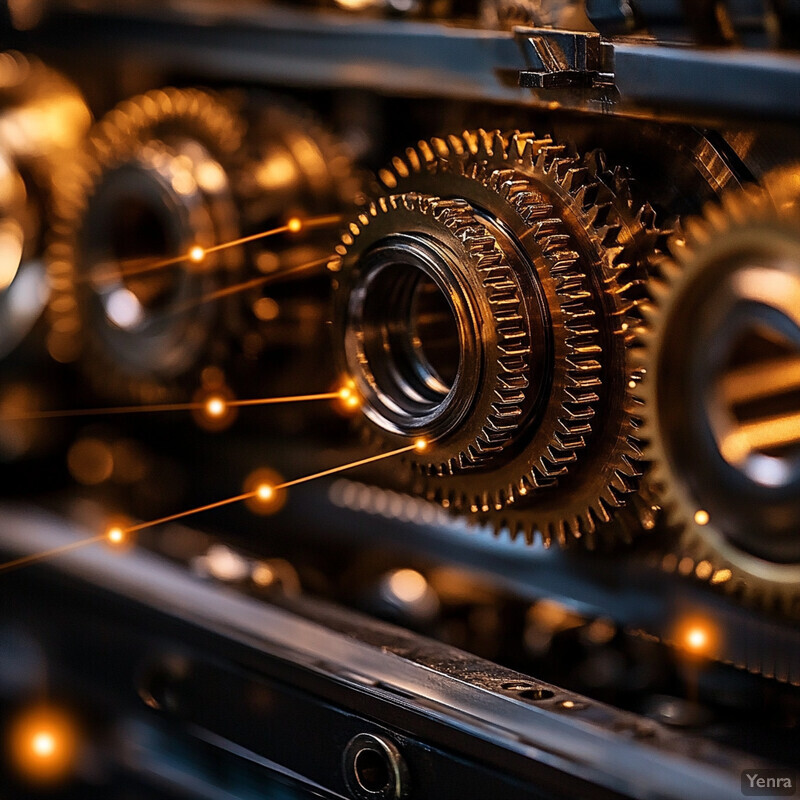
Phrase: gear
[161,162]
[723,333]
[609,241]
[472,416]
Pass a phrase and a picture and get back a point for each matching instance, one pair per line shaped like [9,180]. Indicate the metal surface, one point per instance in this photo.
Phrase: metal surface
[420,693]
[250,41]
[726,462]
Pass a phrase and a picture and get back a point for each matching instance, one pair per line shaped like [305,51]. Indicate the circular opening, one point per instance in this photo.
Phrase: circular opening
[137,238]
[412,340]
[756,405]
[411,337]
[729,402]
[373,771]
[536,694]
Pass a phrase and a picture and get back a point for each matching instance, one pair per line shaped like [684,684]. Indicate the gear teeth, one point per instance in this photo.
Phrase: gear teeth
[604,200]
[111,141]
[700,554]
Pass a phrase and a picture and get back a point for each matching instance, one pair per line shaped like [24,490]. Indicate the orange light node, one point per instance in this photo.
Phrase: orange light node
[115,535]
[701,517]
[44,745]
[197,254]
[265,492]
[294,225]
[696,639]
[215,407]
[421,445]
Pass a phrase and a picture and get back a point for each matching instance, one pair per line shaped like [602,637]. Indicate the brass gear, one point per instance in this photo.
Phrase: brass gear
[477,419]
[187,141]
[610,241]
[735,532]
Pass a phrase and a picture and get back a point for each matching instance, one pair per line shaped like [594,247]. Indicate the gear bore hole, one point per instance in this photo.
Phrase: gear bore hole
[408,336]
[758,427]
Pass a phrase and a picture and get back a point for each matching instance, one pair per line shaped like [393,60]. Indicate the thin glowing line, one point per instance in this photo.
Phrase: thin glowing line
[251,284]
[124,272]
[191,512]
[248,495]
[31,559]
[92,412]
[35,557]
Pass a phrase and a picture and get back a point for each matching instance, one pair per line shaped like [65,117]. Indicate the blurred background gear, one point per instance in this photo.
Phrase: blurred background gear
[721,392]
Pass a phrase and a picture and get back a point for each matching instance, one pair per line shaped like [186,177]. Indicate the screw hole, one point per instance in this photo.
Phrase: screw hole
[536,694]
[372,771]
[374,768]
[528,691]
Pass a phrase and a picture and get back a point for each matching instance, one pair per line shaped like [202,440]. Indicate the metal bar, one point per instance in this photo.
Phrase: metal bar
[457,693]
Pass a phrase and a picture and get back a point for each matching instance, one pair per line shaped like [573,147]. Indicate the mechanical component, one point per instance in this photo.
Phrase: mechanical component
[571,457]
[443,334]
[42,118]
[564,14]
[721,394]
[154,185]
[561,59]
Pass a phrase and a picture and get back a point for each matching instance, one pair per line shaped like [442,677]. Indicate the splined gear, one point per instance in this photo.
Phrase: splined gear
[474,418]
[584,244]
[721,394]
[159,161]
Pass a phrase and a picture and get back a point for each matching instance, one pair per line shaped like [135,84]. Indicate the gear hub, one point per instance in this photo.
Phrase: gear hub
[723,394]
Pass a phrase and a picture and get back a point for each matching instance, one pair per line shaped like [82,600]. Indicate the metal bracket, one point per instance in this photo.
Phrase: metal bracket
[565,59]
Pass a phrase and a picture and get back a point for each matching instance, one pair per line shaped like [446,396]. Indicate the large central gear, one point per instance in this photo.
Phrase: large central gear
[588,242]
[503,377]
[721,396]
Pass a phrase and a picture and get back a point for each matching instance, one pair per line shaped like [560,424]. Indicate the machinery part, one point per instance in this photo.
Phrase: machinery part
[564,59]
[564,14]
[295,167]
[609,241]
[153,185]
[22,284]
[445,338]
[580,237]
[42,118]
[721,394]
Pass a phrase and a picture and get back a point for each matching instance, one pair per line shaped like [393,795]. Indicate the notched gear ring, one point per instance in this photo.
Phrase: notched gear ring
[604,243]
[438,334]
[153,183]
[722,345]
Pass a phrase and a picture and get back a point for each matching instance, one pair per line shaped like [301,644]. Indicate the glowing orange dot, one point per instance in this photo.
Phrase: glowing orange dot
[345,392]
[43,744]
[215,407]
[408,585]
[696,638]
[421,445]
[294,225]
[264,492]
[115,535]
[197,254]
[701,517]
[352,402]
